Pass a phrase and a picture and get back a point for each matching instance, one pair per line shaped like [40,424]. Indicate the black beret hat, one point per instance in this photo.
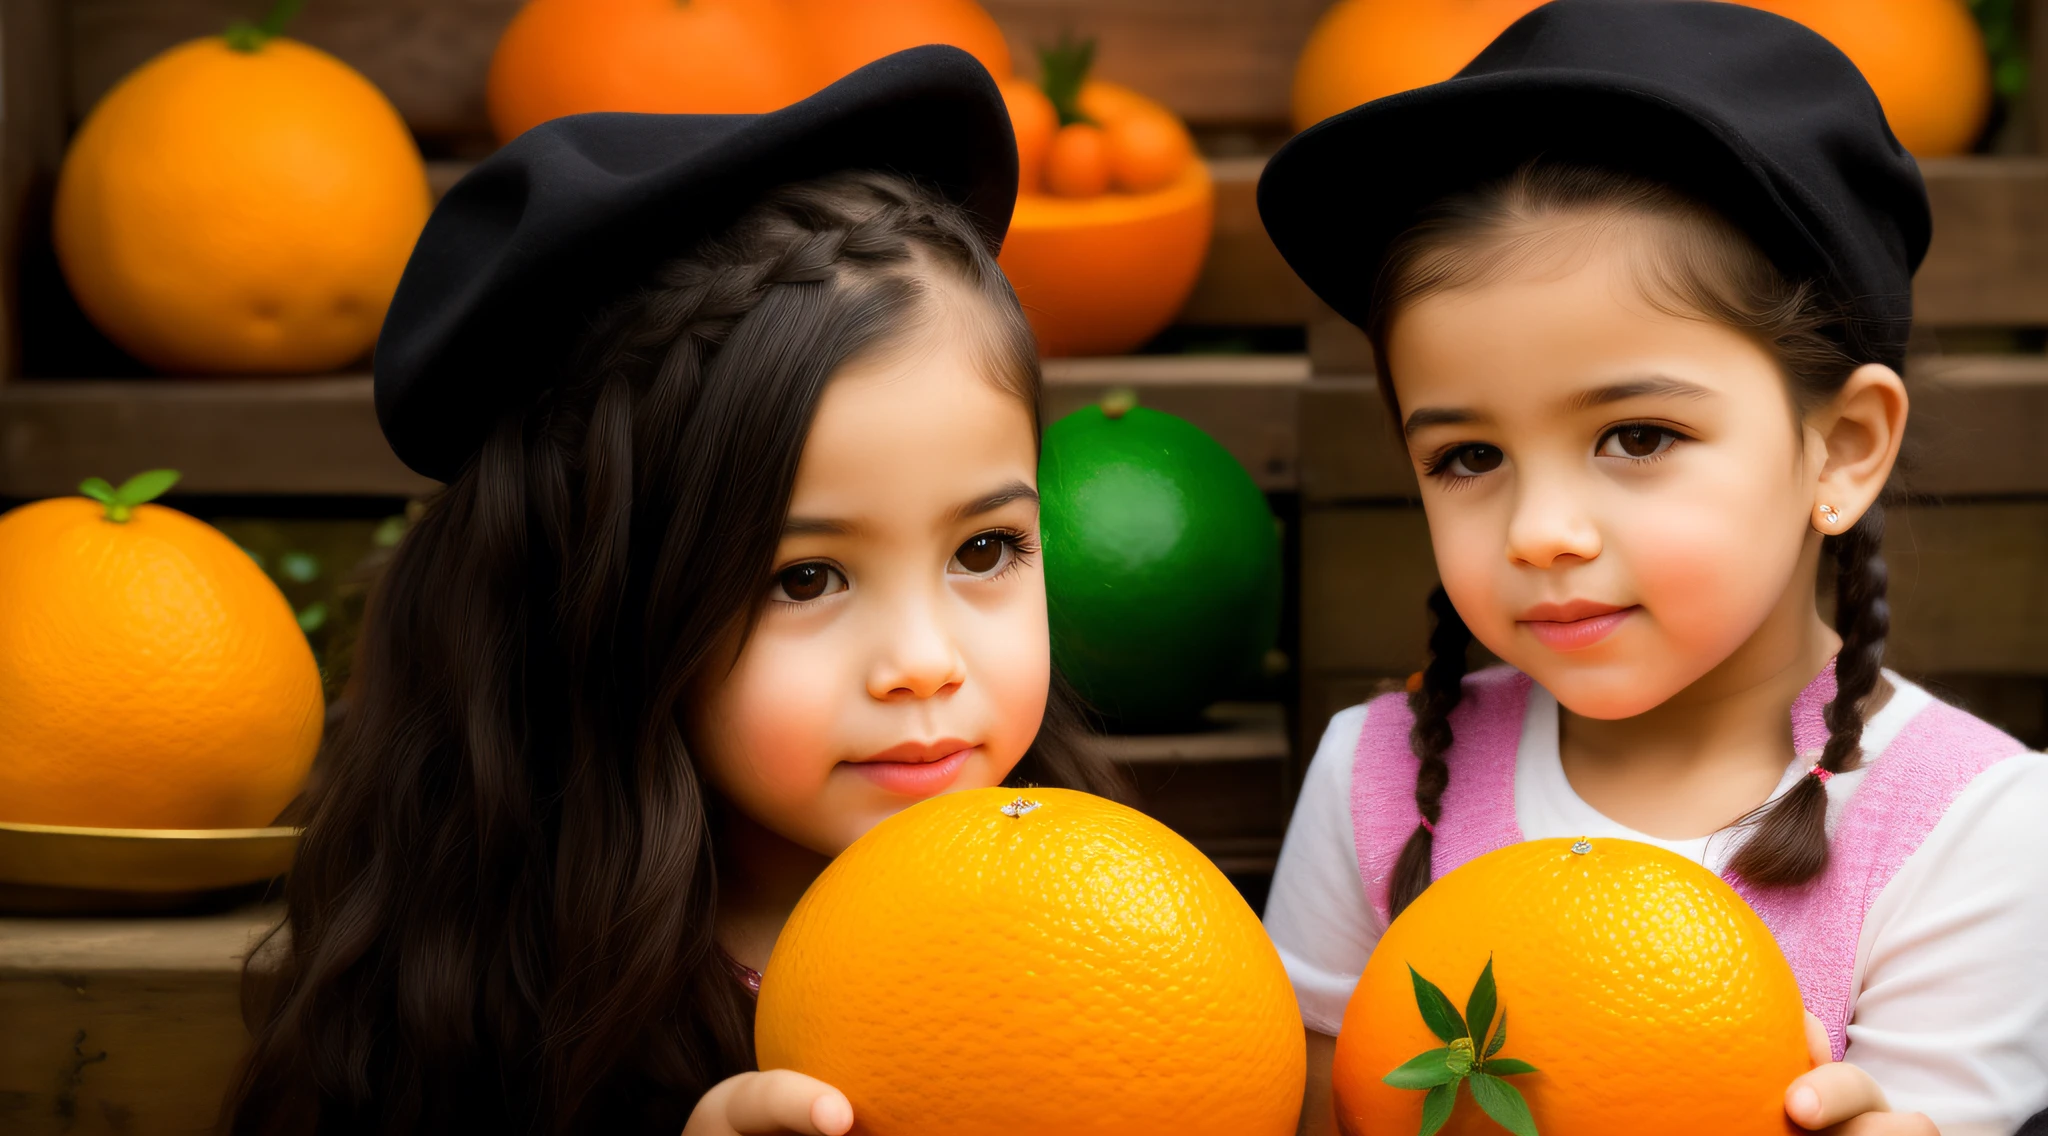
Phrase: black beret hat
[1746,111]
[522,252]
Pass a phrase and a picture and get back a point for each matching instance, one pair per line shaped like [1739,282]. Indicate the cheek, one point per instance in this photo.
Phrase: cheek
[1011,656]
[1711,564]
[766,731]
[1471,564]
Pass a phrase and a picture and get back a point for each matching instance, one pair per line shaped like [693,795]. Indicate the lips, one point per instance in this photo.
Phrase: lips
[916,769]
[1575,624]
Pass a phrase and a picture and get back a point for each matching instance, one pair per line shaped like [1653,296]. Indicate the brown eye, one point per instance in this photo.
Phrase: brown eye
[1637,441]
[983,553]
[1471,461]
[800,583]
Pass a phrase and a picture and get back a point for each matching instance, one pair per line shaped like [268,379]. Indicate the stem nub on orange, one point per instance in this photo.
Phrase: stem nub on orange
[240,209]
[151,676]
[1043,963]
[1645,993]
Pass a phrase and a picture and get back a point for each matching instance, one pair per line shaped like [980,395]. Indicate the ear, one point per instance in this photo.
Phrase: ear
[1859,430]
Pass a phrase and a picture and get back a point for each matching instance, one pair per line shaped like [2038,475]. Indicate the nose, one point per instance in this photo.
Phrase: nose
[1550,523]
[918,657]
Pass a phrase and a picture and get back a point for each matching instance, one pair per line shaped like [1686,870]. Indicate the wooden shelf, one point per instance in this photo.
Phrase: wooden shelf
[1241,731]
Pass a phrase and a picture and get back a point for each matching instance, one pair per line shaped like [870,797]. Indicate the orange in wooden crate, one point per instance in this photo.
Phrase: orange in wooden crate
[1043,963]
[1362,50]
[844,34]
[1115,211]
[151,676]
[240,204]
[562,57]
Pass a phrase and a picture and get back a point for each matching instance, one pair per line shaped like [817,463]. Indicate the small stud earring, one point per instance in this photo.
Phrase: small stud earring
[1828,516]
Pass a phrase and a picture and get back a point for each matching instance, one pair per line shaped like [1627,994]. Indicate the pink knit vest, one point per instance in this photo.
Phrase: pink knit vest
[1908,788]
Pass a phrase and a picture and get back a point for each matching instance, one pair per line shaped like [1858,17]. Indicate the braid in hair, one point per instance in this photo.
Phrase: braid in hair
[1789,844]
[1443,687]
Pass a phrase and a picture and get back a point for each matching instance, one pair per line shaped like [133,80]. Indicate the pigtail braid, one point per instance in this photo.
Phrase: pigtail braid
[1790,842]
[1443,687]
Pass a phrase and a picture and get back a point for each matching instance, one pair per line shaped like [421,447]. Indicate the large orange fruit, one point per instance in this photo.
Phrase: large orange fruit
[562,57]
[1361,50]
[842,35]
[1038,964]
[240,209]
[151,676]
[1924,58]
[1645,993]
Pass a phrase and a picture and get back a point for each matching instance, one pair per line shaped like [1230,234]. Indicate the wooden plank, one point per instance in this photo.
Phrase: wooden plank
[129,1026]
[257,436]
[1214,61]
[31,145]
[1238,731]
[1988,265]
[1975,430]
[1244,282]
[1969,588]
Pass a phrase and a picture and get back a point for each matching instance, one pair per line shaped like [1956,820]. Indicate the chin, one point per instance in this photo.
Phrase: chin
[1608,691]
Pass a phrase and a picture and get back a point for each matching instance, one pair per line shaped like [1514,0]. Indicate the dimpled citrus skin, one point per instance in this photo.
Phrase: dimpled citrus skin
[150,675]
[223,211]
[1647,994]
[1078,969]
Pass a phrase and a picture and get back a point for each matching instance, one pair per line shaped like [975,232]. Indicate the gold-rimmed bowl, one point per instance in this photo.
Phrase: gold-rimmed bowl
[51,867]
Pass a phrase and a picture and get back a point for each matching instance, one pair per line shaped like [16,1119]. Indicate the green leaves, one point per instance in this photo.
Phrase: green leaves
[1440,1071]
[1437,1012]
[138,490]
[1064,68]
[246,37]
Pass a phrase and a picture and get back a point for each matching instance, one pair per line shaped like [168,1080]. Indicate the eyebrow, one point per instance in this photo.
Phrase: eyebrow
[987,503]
[1653,386]
[1010,491]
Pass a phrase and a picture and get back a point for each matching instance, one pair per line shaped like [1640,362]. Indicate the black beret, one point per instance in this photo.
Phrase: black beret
[1749,112]
[523,251]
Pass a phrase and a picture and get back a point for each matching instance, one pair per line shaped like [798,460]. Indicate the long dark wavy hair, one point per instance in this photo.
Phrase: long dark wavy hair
[1700,266]
[501,916]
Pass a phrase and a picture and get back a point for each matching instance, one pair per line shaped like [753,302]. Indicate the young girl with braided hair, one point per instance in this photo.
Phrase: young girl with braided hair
[736,558]
[1639,327]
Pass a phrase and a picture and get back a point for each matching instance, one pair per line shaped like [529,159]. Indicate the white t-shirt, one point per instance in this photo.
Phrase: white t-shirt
[1951,982]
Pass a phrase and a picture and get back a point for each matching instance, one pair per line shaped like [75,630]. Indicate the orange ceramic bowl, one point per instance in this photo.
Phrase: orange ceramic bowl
[1101,275]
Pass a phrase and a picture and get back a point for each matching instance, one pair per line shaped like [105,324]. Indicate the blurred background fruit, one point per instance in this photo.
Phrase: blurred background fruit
[1926,60]
[844,34]
[562,57]
[150,675]
[1115,209]
[1643,990]
[1162,563]
[1362,50]
[1043,964]
[240,204]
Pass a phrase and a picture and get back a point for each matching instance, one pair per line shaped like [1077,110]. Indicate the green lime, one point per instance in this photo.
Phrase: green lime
[1162,563]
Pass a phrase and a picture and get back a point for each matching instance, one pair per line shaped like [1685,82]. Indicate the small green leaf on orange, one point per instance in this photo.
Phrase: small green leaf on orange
[1423,1071]
[146,486]
[1436,1107]
[1503,1102]
[1507,1066]
[1437,1011]
[1500,1036]
[97,489]
[1479,1007]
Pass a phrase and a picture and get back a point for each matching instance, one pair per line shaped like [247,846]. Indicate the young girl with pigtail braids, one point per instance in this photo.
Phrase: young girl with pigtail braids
[1638,282]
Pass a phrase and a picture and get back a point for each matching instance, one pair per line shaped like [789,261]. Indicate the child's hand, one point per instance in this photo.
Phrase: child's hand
[775,1101]
[1843,1099]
